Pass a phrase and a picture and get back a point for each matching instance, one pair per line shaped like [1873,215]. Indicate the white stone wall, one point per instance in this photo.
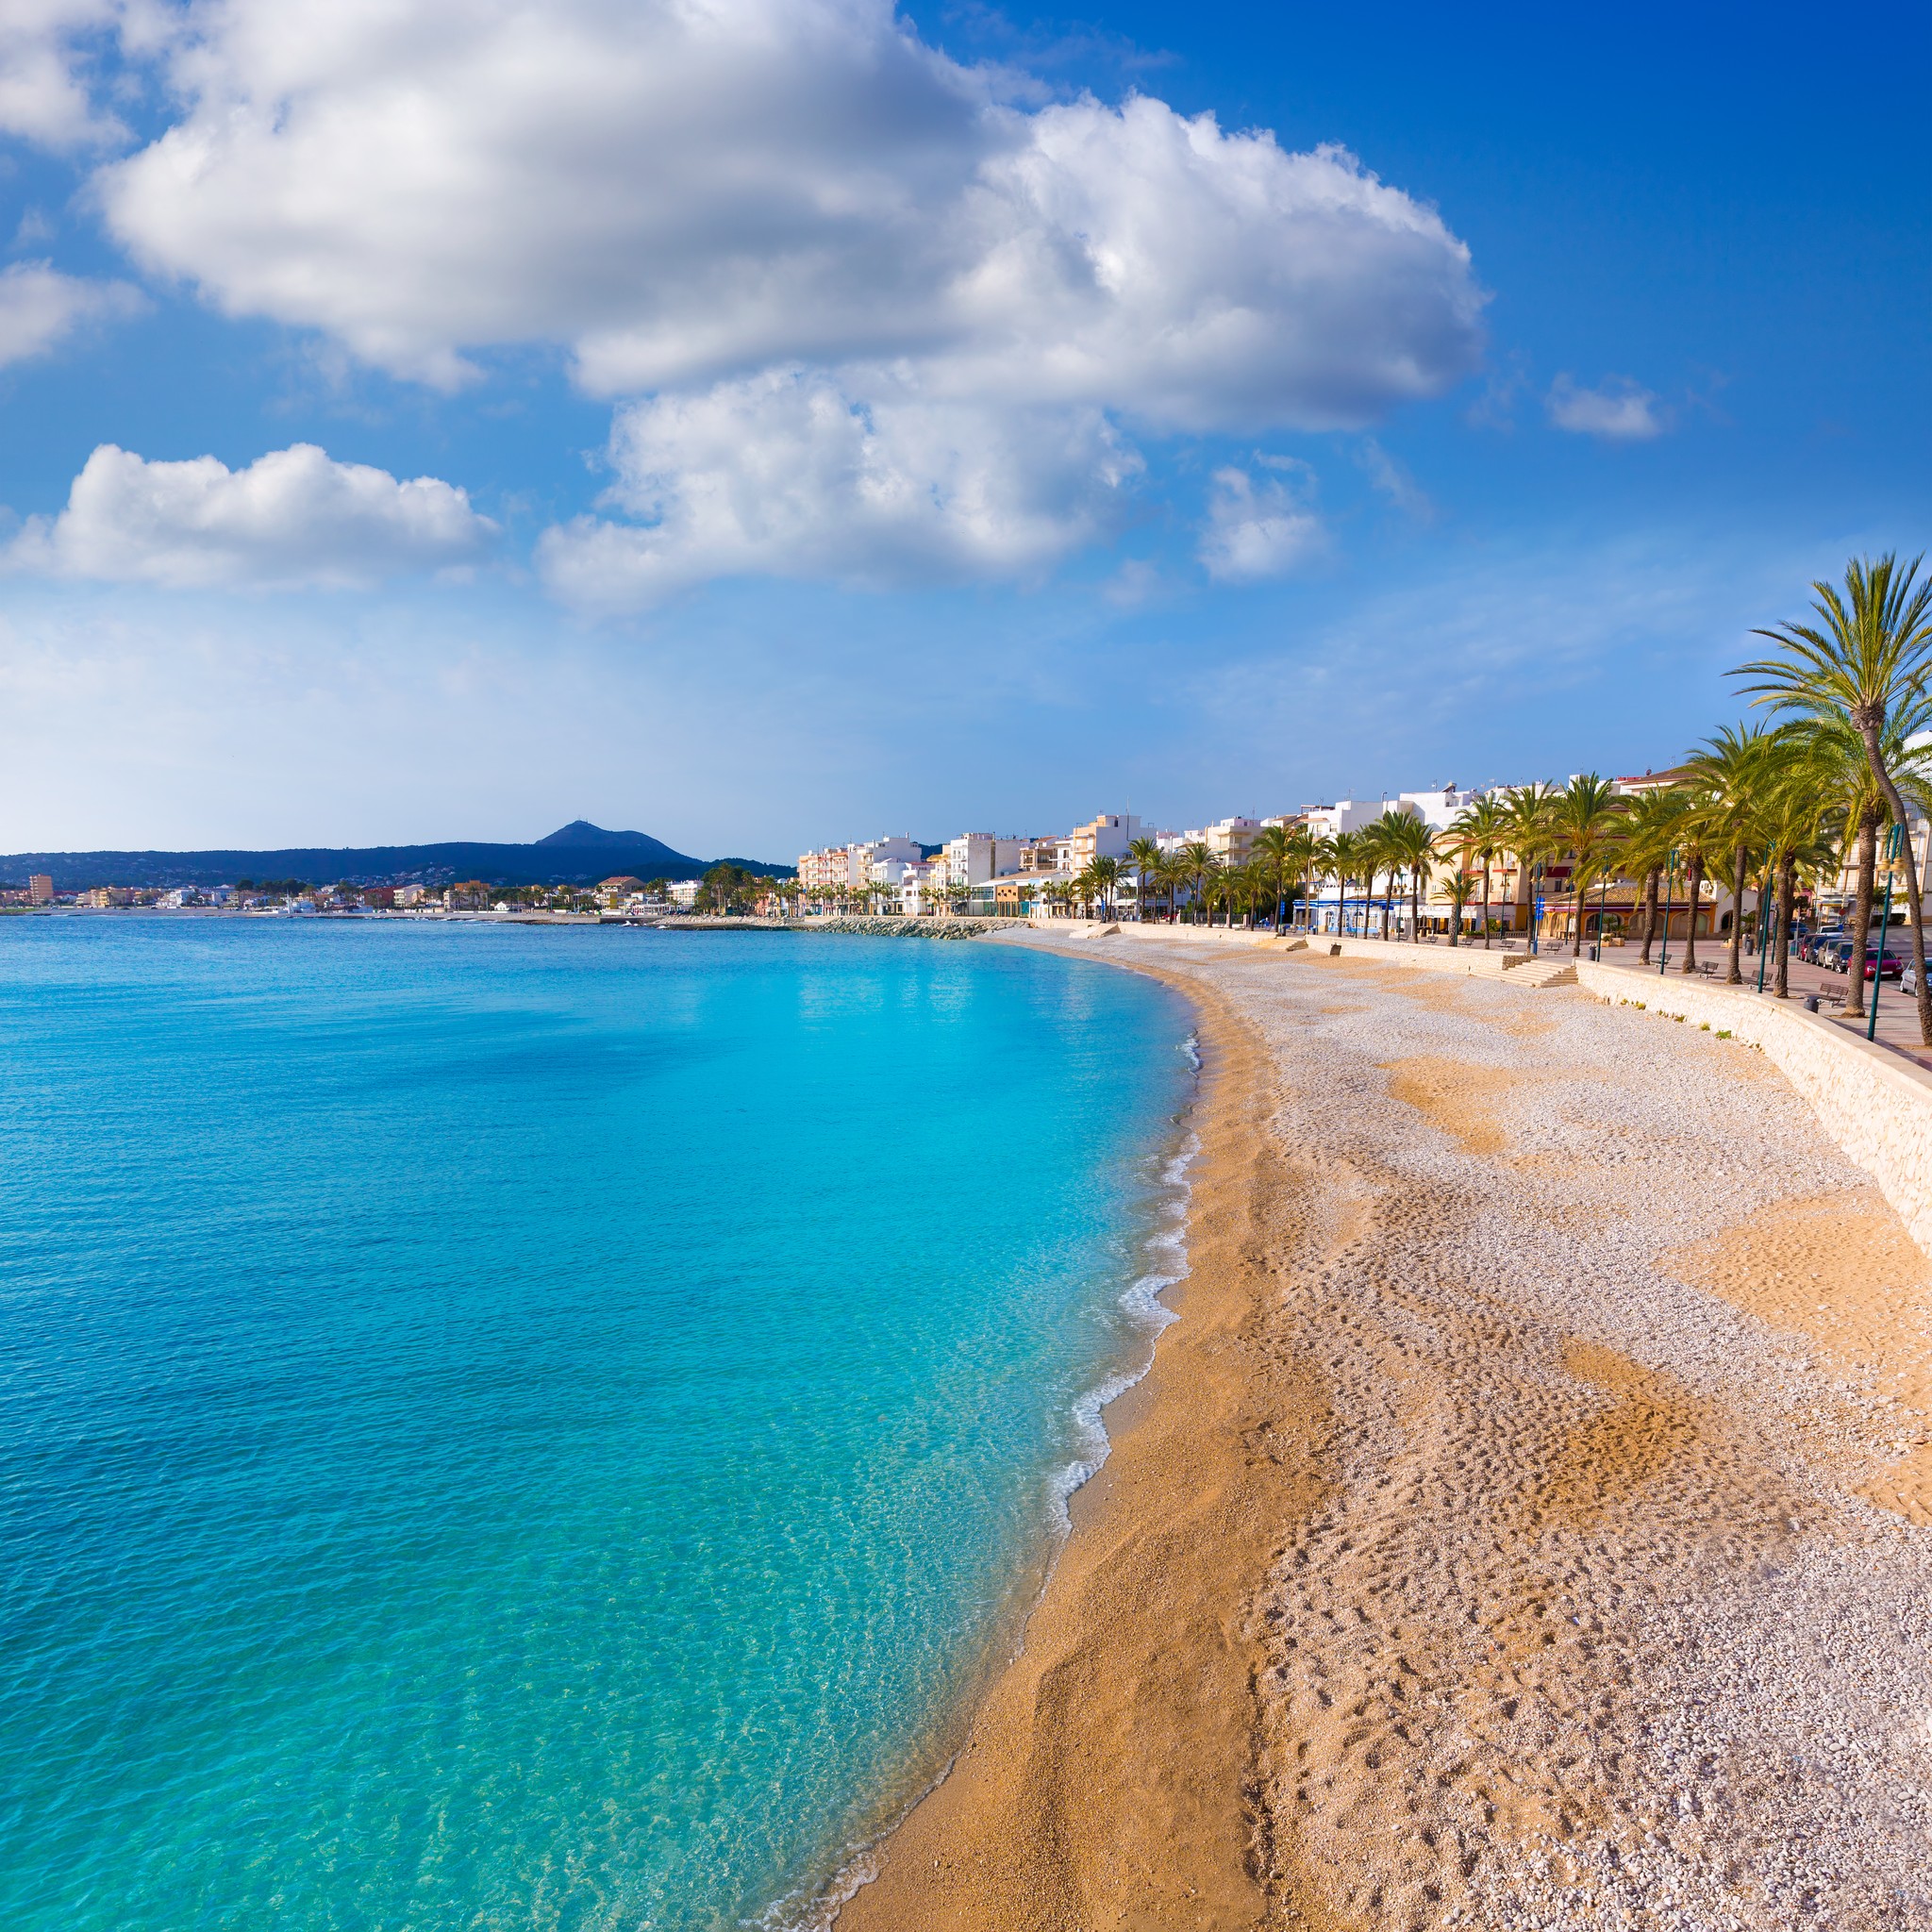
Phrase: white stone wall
[1876,1106]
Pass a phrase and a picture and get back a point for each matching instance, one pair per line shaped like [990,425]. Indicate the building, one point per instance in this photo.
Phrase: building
[615,890]
[683,894]
[1105,837]
[411,895]
[973,857]
[842,868]
[39,889]
[828,870]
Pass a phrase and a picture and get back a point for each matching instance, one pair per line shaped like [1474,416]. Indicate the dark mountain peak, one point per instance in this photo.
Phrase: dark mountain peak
[581,832]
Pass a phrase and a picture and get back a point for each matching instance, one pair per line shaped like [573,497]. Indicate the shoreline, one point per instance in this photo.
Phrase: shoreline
[995,1844]
[1499,1535]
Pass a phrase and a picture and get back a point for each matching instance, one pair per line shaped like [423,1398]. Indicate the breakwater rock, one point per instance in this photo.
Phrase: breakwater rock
[902,928]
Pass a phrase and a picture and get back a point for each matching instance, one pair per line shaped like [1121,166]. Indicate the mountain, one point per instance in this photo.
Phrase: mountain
[577,854]
[580,835]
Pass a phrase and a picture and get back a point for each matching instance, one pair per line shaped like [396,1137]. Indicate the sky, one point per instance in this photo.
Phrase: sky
[765,422]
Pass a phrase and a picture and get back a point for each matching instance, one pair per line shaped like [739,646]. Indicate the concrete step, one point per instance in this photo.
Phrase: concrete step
[1538,973]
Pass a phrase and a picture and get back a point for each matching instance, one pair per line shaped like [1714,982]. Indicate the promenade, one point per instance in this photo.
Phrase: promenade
[1898,1016]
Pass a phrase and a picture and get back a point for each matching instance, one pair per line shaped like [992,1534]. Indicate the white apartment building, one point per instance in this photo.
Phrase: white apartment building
[973,857]
[683,894]
[1105,837]
[1439,809]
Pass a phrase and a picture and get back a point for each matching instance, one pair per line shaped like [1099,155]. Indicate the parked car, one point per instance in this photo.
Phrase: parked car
[1880,965]
[1909,980]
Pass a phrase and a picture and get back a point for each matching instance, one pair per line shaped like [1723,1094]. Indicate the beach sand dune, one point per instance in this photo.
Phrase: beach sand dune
[1523,1527]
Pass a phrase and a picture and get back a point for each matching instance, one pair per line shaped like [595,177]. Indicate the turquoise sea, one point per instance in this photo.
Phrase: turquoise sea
[508,1428]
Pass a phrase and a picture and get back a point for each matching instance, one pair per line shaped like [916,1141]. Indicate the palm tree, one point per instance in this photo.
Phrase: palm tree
[1527,811]
[1582,822]
[1834,754]
[1391,852]
[1145,855]
[1416,843]
[1168,872]
[1647,838]
[1703,831]
[1461,887]
[1273,851]
[1867,658]
[1791,823]
[1347,854]
[1484,826]
[1308,855]
[1103,877]
[1199,864]
[1734,768]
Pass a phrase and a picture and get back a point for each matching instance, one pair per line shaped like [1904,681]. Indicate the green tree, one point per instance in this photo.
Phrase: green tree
[1582,822]
[1865,659]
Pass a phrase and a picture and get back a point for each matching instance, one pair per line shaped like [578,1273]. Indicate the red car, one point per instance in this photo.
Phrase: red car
[1886,966]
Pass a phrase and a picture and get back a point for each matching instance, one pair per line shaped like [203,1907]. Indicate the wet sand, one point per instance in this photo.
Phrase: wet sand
[1522,1525]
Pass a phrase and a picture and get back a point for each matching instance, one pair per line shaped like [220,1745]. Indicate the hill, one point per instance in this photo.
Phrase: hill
[576,853]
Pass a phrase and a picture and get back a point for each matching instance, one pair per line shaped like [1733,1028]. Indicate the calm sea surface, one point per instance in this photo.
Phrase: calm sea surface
[506,1427]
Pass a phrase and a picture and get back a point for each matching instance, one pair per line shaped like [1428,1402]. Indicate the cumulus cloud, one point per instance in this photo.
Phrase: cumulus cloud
[683,193]
[39,306]
[787,474]
[293,517]
[1617,409]
[44,95]
[950,297]
[1261,529]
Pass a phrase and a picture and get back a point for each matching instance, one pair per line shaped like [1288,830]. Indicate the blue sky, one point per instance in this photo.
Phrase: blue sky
[765,423]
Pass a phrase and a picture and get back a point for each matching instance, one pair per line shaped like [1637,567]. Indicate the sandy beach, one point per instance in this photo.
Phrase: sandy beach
[1524,1526]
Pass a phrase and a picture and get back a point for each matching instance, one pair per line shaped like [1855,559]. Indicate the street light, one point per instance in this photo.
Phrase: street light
[1670,890]
[1884,927]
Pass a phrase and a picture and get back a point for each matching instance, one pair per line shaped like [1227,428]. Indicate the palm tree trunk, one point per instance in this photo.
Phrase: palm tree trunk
[1388,893]
[1868,729]
[1486,905]
[1736,975]
[1693,888]
[1650,886]
[1786,894]
[1868,880]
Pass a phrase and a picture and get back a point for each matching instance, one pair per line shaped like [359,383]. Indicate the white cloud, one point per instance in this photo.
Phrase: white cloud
[787,474]
[38,304]
[293,517]
[683,193]
[1617,409]
[1259,530]
[1393,481]
[883,310]
[44,96]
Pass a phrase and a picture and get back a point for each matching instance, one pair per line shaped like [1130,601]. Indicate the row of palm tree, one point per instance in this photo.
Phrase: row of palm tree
[1830,773]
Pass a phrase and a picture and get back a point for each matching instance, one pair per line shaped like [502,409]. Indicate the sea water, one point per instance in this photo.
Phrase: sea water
[510,1427]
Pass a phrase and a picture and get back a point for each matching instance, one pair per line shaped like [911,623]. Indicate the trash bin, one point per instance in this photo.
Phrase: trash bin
[1810,1002]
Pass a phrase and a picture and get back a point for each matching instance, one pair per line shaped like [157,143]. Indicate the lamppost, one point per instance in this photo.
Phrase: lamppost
[1670,891]
[1884,928]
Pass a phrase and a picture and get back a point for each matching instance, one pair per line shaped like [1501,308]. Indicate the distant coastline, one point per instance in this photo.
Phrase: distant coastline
[576,853]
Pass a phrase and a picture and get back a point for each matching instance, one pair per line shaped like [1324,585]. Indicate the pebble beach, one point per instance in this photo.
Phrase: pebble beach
[1526,1525]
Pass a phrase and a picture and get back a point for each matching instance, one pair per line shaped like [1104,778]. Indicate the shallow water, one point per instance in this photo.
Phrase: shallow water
[513,1427]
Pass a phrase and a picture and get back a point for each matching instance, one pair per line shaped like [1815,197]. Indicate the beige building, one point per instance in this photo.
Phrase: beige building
[39,889]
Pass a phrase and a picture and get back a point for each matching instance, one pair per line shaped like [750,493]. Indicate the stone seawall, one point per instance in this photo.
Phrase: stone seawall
[901,928]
